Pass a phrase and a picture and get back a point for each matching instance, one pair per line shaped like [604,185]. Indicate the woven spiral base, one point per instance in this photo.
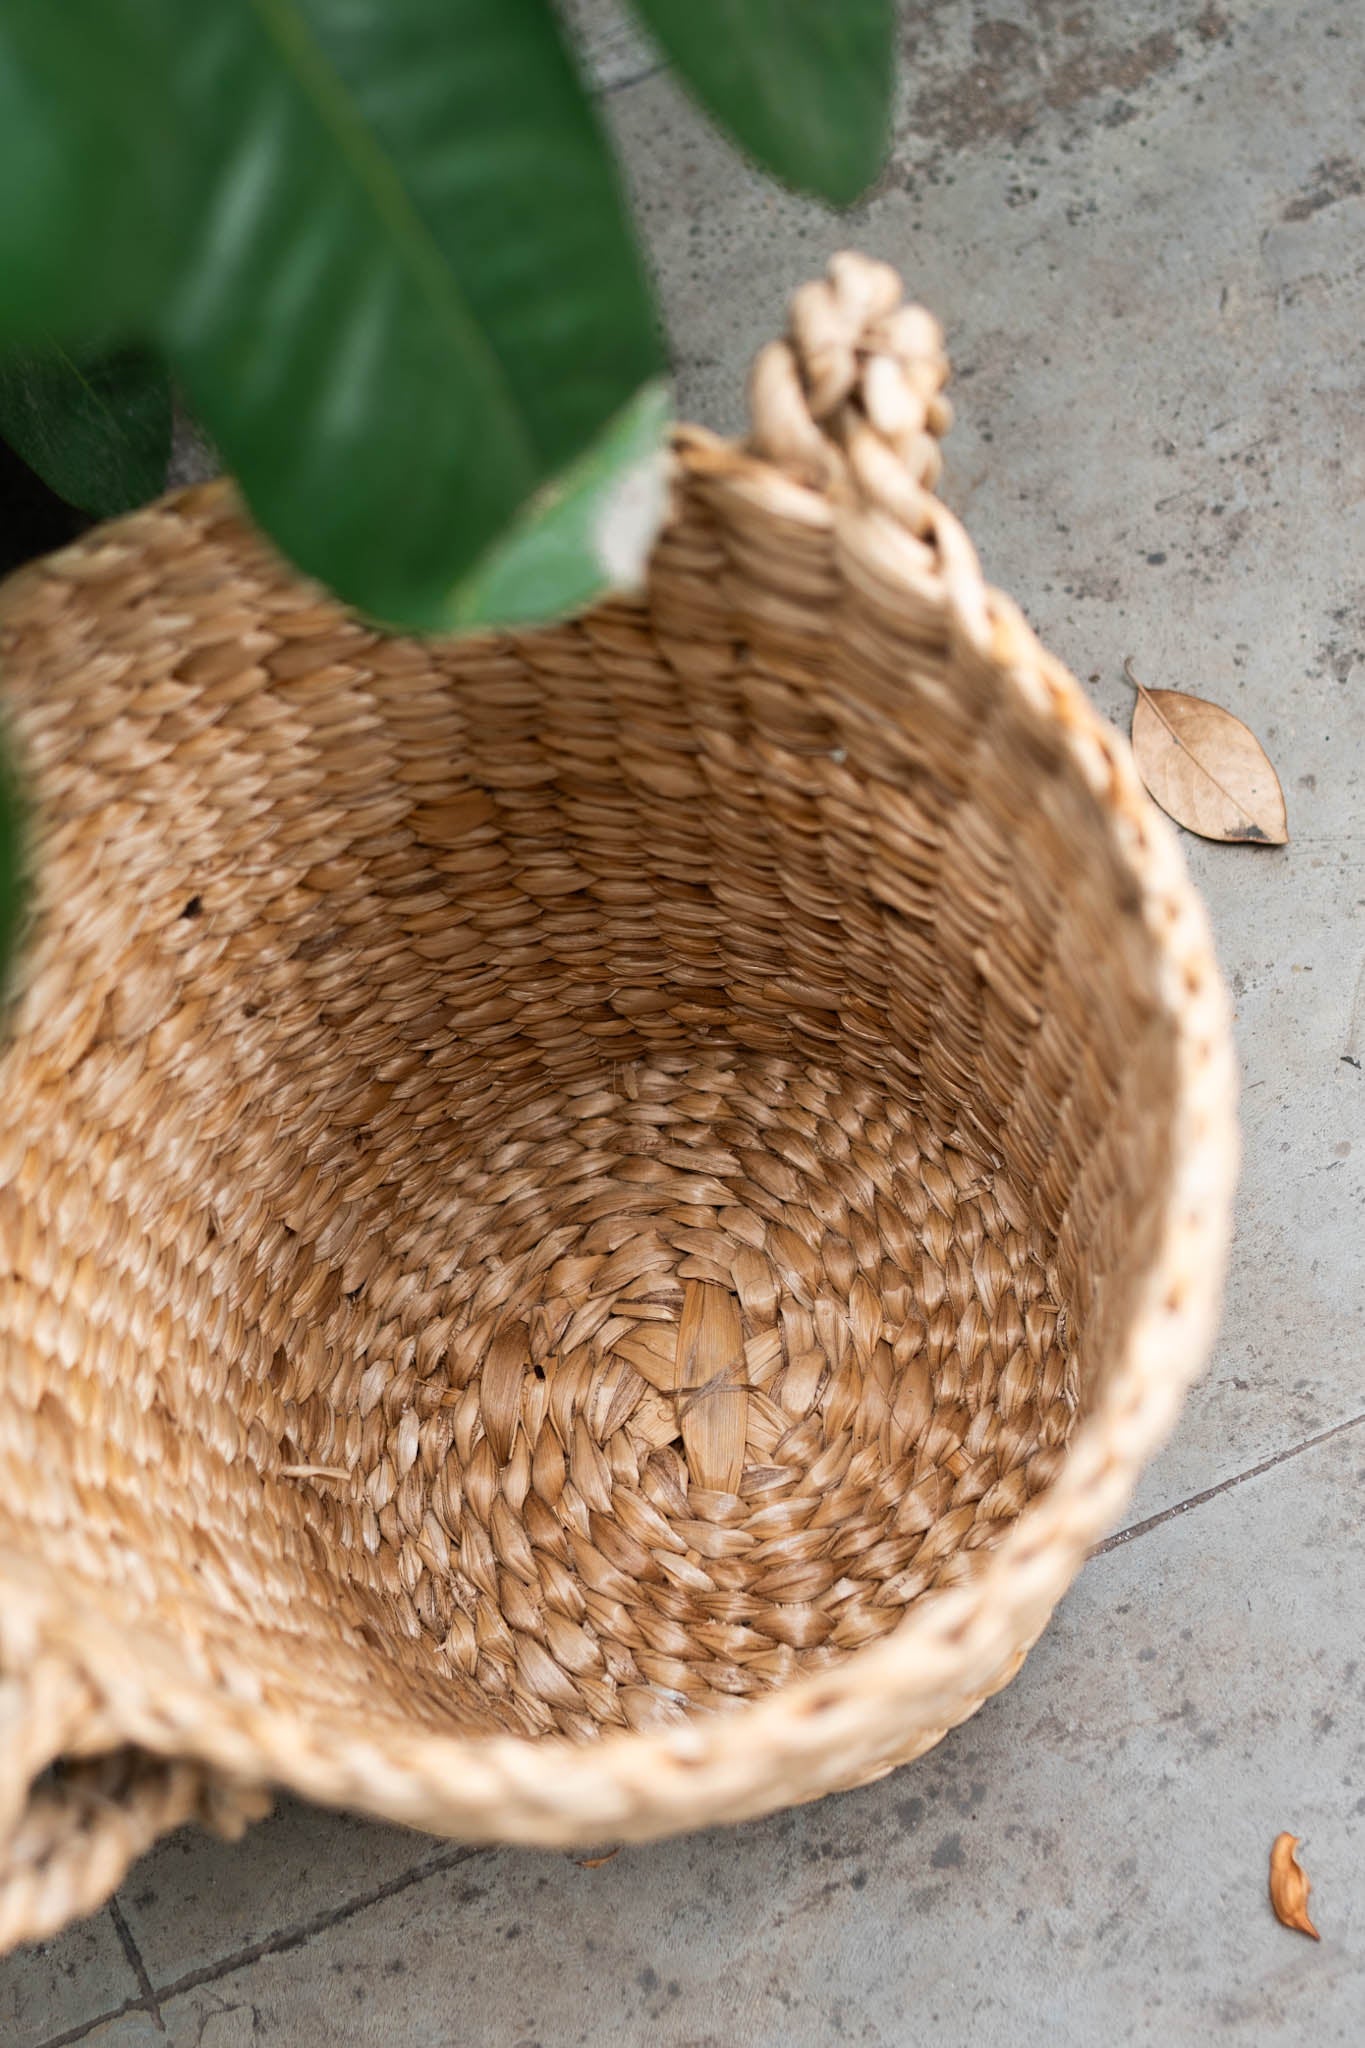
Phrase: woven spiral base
[590,1222]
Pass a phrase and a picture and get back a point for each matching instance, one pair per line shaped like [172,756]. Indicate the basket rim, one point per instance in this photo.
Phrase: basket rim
[786,1744]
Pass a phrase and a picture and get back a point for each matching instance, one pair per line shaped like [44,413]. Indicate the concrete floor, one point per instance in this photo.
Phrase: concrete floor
[1146,235]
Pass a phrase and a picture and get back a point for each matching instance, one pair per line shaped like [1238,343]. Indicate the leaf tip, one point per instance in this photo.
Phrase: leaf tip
[1256,835]
[589,531]
[628,521]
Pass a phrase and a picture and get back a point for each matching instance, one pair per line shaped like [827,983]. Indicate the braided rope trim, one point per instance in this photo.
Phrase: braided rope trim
[79,1837]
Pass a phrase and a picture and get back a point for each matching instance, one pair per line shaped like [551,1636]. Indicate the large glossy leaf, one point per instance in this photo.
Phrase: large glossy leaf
[804,85]
[89,205]
[96,428]
[404,295]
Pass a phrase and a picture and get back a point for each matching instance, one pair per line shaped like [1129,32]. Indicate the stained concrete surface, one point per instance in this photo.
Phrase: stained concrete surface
[1144,227]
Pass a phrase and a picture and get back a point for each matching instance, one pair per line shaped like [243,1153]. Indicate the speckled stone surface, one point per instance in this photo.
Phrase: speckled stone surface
[1144,227]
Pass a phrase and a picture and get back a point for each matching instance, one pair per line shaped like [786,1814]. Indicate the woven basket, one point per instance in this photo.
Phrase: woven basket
[591,1222]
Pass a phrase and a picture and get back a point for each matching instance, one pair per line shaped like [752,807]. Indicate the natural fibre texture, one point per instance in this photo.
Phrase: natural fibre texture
[591,1223]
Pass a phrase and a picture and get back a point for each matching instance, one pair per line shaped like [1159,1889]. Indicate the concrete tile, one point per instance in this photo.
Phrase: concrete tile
[51,1986]
[126,2030]
[1153,294]
[1145,231]
[1084,1861]
[195,1900]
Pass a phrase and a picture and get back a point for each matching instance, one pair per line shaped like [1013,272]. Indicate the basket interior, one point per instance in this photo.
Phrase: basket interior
[552,1184]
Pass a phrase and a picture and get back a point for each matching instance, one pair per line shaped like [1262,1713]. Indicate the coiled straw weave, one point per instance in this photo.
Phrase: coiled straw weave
[591,1222]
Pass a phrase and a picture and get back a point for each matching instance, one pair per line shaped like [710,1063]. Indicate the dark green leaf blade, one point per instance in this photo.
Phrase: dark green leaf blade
[96,428]
[89,208]
[412,295]
[398,280]
[804,85]
[478,105]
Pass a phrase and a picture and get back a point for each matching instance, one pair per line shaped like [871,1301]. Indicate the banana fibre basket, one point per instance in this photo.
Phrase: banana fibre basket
[592,1221]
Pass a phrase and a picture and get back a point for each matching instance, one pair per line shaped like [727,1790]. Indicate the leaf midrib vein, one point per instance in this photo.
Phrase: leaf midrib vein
[334,104]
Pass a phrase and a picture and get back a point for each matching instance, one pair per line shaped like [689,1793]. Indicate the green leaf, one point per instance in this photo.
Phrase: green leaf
[97,428]
[88,207]
[403,293]
[589,531]
[804,85]
[413,295]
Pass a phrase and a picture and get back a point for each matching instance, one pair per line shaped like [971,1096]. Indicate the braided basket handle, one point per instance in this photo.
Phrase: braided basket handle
[851,403]
[67,1842]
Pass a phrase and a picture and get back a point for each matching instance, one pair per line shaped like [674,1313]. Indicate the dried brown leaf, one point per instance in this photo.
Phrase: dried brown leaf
[653,1352]
[595,1862]
[1289,1886]
[712,1403]
[505,1366]
[1205,769]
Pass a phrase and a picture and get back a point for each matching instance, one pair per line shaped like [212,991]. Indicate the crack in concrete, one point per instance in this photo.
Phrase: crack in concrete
[1197,1500]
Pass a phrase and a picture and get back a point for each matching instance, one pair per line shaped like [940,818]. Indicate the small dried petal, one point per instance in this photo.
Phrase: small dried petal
[1289,1886]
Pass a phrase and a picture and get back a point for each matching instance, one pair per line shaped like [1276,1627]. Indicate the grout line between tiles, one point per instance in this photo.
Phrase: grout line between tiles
[136,1964]
[1197,1500]
[87,2027]
[154,1997]
[151,1998]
